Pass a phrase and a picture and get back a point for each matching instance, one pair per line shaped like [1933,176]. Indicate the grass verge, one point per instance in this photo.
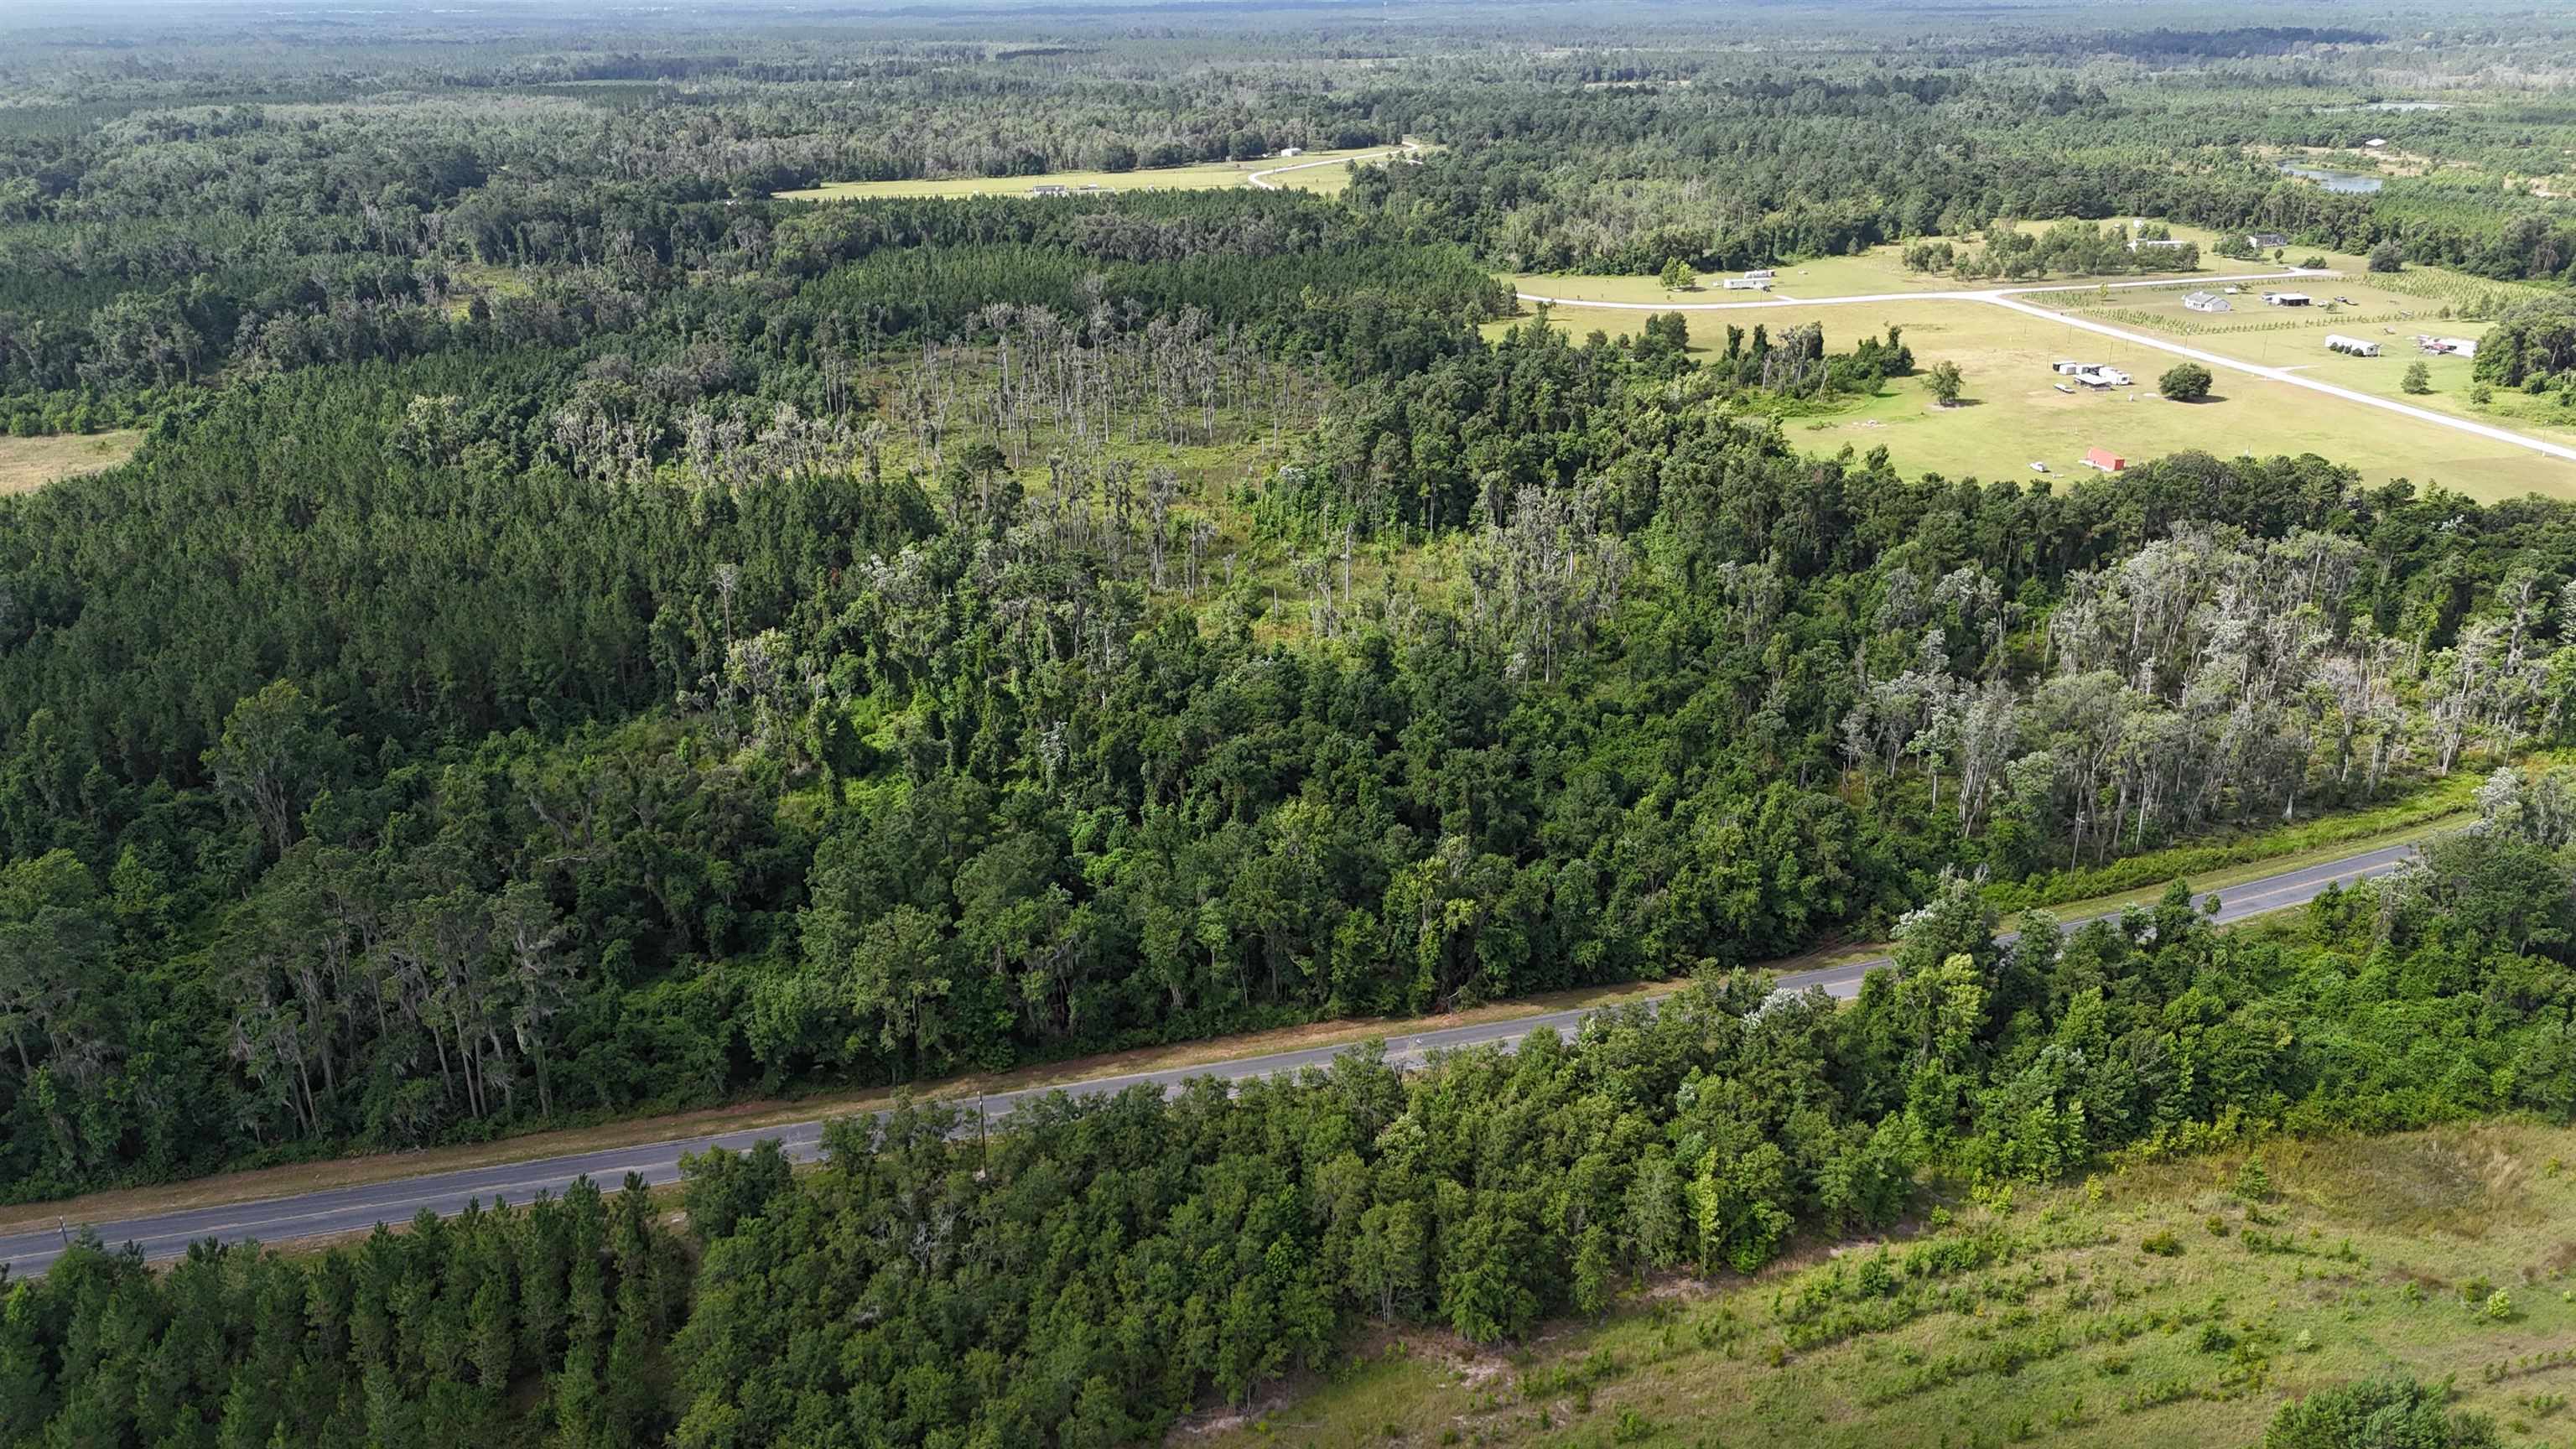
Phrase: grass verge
[261,1184]
[2313,843]
[2233,859]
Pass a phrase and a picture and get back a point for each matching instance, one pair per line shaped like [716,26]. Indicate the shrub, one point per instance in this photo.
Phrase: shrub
[2388,1412]
[2185,382]
[2254,1180]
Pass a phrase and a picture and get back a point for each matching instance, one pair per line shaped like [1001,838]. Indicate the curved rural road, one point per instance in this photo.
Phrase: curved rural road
[1262,178]
[359,1208]
[2010,298]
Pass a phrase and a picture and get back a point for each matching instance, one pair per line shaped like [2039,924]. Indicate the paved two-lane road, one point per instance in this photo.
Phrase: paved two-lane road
[359,1208]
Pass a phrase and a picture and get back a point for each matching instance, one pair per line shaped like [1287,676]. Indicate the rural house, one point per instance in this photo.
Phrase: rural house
[2208,302]
[2105,459]
[2265,240]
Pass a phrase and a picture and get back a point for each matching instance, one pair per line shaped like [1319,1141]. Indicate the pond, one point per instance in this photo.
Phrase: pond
[2333,180]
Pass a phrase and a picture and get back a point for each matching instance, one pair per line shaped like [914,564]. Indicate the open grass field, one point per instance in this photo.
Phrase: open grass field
[1206,176]
[2377,312]
[2014,415]
[2151,1307]
[1882,269]
[27,464]
[1329,180]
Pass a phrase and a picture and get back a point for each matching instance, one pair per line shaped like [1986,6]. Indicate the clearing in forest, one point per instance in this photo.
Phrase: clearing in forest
[1883,269]
[27,464]
[2392,311]
[2018,410]
[1316,170]
[2175,1303]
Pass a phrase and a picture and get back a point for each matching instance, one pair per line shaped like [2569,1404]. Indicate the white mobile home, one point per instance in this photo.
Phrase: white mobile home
[2351,346]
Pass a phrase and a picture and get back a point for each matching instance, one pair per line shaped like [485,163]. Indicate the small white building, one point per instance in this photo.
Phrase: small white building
[2208,302]
[2102,378]
[2067,367]
[2448,346]
[1050,188]
[2351,346]
[2288,299]
[1292,150]
[1748,284]
[1759,274]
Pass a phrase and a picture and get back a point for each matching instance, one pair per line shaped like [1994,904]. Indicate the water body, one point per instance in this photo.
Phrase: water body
[2333,180]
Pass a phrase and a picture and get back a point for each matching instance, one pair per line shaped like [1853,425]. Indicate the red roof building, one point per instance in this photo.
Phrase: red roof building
[2104,459]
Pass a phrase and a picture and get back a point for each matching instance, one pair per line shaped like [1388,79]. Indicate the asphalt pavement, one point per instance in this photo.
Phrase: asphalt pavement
[356,1209]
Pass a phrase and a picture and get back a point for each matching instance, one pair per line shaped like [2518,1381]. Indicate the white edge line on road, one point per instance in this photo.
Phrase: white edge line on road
[1838,981]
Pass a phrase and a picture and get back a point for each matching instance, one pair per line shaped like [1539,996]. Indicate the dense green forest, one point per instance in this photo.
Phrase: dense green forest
[1087,1276]
[581,635]
[449,777]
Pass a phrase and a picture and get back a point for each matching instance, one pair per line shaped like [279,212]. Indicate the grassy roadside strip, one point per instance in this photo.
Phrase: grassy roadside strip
[2210,867]
[2229,860]
[262,1183]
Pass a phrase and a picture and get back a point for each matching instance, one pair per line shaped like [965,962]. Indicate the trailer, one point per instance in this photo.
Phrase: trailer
[2351,346]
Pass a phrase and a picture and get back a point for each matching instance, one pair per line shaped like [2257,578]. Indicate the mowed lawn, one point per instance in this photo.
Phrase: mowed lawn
[27,464]
[1329,176]
[2014,415]
[2295,338]
[2152,1308]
